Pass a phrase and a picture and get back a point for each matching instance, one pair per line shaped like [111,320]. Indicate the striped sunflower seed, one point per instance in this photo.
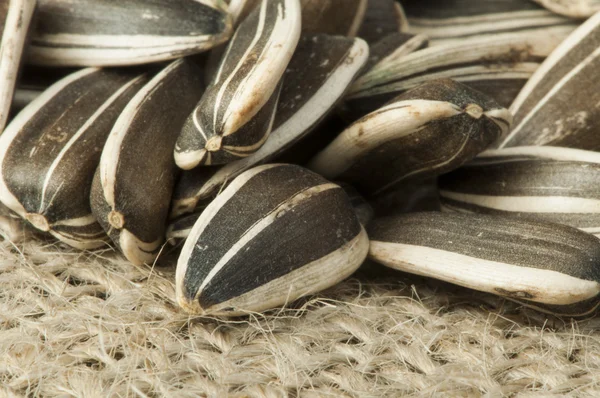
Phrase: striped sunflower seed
[382,18]
[181,227]
[107,32]
[132,187]
[539,262]
[61,135]
[572,8]
[452,22]
[542,115]
[333,17]
[234,117]
[317,76]
[240,9]
[539,183]
[425,132]
[298,234]
[499,66]
[15,17]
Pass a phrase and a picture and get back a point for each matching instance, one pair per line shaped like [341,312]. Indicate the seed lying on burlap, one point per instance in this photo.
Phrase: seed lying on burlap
[572,8]
[539,183]
[317,76]
[132,187]
[452,21]
[559,104]
[422,133]
[498,66]
[540,262]
[382,17]
[107,32]
[276,233]
[333,17]
[234,117]
[15,17]
[51,149]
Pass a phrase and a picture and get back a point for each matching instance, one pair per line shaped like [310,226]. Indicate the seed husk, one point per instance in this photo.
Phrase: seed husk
[61,134]
[240,9]
[499,66]
[132,188]
[234,117]
[535,261]
[394,46]
[449,21]
[317,76]
[297,235]
[15,18]
[333,17]
[539,183]
[382,17]
[572,8]
[181,227]
[109,33]
[542,115]
[422,133]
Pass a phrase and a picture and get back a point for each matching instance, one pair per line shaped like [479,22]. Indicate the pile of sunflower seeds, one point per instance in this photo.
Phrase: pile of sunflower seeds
[281,143]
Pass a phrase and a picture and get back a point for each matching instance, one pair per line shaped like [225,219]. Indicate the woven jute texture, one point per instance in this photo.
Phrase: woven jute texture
[90,325]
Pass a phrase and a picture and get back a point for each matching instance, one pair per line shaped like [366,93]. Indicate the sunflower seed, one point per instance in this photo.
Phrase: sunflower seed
[394,46]
[318,75]
[452,22]
[61,133]
[107,32]
[542,115]
[181,228]
[382,17]
[334,17]
[298,235]
[425,132]
[132,187]
[572,8]
[540,262]
[234,117]
[240,9]
[539,183]
[15,17]
[498,65]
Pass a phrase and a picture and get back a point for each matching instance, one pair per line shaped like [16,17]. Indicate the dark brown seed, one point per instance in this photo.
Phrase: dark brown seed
[276,233]
[526,260]
[132,187]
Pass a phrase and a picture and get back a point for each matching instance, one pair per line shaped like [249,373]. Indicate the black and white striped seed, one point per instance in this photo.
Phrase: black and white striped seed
[552,184]
[333,17]
[317,76]
[234,117]
[276,233]
[51,149]
[108,32]
[382,18]
[15,18]
[422,133]
[132,188]
[559,104]
[540,262]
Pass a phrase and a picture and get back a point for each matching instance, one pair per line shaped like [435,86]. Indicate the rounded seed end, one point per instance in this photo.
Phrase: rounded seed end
[214,143]
[38,221]
[116,219]
[474,110]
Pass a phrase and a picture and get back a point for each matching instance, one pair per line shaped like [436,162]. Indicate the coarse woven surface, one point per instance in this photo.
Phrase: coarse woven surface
[90,324]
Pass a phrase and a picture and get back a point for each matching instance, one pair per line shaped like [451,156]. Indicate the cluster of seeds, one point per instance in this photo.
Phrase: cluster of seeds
[279,143]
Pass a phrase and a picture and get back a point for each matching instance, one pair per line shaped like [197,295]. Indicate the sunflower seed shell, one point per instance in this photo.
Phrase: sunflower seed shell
[93,32]
[425,132]
[540,183]
[298,235]
[572,8]
[318,75]
[540,262]
[382,17]
[15,17]
[542,116]
[61,134]
[133,185]
[234,117]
